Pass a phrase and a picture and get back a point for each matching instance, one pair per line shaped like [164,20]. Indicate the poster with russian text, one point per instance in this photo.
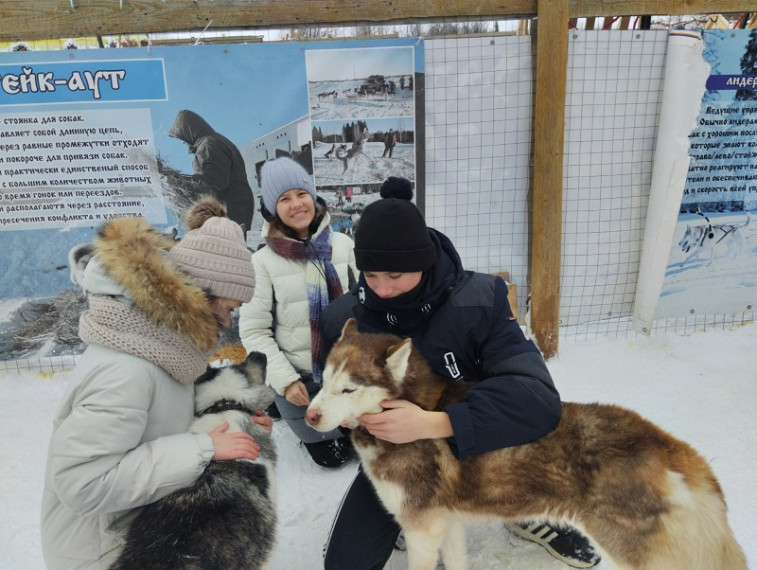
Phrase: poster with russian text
[700,248]
[90,134]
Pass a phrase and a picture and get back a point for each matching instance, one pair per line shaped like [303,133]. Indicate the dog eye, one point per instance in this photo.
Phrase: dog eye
[348,391]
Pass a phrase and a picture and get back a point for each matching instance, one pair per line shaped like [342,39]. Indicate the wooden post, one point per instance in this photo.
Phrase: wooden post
[549,136]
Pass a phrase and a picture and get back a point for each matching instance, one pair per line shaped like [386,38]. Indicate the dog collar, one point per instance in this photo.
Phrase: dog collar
[225,406]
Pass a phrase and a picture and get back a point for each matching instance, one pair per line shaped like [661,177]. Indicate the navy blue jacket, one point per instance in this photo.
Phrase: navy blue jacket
[465,328]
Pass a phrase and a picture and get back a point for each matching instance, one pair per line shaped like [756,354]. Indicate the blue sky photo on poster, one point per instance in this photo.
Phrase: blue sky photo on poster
[84,135]
[712,266]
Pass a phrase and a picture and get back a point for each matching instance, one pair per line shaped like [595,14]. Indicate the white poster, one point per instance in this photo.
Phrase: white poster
[700,243]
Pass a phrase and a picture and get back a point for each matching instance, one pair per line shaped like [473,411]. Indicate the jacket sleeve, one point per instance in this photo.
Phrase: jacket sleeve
[256,324]
[212,165]
[516,402]
[332,322]
[99,462]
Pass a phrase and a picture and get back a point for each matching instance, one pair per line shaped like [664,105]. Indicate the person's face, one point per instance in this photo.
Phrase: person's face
[296,210]
[222,309]
[388,284]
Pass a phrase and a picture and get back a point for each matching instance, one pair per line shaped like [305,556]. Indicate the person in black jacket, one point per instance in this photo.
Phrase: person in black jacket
[218,165]
[412,284]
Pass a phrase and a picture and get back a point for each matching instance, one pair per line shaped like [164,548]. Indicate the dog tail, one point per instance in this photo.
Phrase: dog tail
[696,530]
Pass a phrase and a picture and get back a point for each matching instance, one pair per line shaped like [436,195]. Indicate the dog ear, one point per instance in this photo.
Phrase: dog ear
[397,358]
[255,365]
[350,327]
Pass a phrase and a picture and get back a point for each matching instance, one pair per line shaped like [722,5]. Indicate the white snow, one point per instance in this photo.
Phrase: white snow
[701,388]
[362,169]
[348,104]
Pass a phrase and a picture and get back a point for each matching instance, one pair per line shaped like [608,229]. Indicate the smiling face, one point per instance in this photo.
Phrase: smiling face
[296,209]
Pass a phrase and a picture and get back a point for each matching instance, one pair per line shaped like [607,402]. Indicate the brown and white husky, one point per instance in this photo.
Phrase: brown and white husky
[645,499]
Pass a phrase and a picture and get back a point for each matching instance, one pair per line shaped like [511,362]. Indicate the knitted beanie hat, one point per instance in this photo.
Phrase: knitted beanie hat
[278,176]
[392,234]
[213,253]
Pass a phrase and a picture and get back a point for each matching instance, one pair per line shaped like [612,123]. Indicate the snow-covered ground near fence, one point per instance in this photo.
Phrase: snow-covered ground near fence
[702,388]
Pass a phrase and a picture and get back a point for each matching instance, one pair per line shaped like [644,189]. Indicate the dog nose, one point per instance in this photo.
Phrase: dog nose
[313,416]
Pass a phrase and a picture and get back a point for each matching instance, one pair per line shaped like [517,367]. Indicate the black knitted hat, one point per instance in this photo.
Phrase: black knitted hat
[392,234]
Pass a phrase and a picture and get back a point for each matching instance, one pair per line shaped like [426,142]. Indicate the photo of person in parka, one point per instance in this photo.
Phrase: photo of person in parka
[218,166]
[412,284]
[120,438]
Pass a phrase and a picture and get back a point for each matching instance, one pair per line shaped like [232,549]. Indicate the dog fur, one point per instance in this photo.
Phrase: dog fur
[227,518]
[646,500]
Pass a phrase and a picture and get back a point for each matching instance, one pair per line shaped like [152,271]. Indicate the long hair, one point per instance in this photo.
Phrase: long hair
[320,212]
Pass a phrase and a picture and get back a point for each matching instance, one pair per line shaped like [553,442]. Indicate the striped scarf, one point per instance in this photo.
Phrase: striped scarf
[322,282]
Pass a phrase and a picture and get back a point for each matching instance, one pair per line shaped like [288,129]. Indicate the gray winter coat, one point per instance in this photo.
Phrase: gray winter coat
[120,438]
[218,165]
[119,442]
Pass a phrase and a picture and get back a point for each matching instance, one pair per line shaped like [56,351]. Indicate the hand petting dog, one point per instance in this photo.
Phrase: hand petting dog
[238,445]
[403,422]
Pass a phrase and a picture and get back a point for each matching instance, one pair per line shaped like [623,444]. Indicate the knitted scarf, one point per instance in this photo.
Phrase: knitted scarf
[122,327]
[321,278]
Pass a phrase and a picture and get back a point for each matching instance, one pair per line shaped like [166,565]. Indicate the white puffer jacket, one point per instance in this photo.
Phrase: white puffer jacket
[276,321]
[120,436]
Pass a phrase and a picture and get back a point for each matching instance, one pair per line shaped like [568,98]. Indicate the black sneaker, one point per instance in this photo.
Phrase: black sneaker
[331,452]
[564,543]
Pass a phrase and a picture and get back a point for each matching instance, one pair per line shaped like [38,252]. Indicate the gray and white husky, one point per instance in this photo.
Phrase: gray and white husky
[227,518]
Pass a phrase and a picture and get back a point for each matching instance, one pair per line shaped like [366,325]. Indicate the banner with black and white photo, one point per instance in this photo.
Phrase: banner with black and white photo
[700,244]
[84,136]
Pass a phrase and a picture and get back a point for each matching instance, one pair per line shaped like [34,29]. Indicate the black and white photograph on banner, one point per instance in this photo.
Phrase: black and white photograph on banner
[137,133]
[361,83]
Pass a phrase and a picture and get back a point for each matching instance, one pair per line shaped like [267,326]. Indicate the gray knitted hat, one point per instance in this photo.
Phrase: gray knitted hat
[278,176]
[213,253]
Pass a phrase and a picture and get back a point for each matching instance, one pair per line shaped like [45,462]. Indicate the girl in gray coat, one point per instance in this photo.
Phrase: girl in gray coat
[120,436]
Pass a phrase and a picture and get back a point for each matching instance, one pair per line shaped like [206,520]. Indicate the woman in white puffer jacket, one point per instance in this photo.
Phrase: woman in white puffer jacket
[303,266]
[120,437]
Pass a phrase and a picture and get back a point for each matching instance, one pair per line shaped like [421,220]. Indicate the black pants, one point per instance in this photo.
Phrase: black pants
[364,532]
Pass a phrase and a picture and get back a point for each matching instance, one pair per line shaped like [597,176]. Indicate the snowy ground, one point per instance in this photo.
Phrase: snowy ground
[370,168]
[348,104]
[700,388]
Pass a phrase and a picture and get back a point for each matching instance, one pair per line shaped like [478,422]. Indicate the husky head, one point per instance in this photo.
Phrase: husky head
[361,371]
[692,237]
[232,393]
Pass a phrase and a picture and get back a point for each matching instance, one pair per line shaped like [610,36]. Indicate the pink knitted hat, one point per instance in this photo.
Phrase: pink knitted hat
[213,253]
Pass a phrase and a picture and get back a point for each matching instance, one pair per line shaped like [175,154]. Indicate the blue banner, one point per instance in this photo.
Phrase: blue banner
[83,82]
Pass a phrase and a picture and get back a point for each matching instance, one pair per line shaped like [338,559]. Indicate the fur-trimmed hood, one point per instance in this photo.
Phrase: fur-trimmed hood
[130,262]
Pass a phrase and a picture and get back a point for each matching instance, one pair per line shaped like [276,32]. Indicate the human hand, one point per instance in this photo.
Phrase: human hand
[236,445]
[264,420]
[297,394]
[403,422]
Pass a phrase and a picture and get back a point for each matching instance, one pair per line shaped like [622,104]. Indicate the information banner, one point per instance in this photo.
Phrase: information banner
[700,246]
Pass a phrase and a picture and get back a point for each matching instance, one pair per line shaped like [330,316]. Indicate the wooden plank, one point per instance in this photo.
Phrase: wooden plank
[41,19]
[512,292]
[549,126]
[56,18]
